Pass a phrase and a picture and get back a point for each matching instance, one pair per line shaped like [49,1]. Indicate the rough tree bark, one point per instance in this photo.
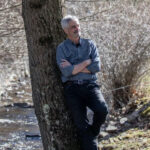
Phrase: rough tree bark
[44,33]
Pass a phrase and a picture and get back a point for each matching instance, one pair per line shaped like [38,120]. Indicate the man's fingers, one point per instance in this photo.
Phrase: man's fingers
[64,60]
[64,64]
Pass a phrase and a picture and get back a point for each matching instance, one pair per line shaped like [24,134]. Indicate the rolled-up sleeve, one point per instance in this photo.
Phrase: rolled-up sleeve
[95,65]
[66,71]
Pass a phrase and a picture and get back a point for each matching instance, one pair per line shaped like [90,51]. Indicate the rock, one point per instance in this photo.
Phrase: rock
[103,134]
[21,105]
[112,123]
[123,120]
[111,128]
[33,137]
[108,148]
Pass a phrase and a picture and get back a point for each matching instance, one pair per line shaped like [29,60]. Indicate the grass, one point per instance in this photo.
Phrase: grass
[133,139]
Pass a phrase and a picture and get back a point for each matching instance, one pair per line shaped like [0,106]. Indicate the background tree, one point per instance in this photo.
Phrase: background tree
[44,33]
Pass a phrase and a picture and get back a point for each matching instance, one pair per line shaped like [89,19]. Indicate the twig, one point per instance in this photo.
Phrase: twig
[11,28]
[123,87]
[1,35]
[10,36]
[94,14]
[11,7]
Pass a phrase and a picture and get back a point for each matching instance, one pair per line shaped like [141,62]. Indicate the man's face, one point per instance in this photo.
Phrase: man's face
[73,30]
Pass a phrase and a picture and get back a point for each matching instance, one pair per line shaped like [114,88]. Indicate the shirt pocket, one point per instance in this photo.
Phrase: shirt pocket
[68,53]
[86,53]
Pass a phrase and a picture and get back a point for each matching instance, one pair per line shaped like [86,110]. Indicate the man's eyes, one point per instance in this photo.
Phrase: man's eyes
[74,26]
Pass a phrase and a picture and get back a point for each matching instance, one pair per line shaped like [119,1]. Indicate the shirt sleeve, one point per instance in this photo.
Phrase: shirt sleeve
[66,71]
[95,65]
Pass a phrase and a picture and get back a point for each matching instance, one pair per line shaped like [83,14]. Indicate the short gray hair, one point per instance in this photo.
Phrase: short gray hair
[65,21]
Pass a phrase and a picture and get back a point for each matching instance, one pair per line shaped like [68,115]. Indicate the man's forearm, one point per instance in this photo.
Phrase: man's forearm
[78,68]
[85,70]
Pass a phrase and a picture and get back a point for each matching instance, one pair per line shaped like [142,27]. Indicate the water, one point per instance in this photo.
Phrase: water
[18,124]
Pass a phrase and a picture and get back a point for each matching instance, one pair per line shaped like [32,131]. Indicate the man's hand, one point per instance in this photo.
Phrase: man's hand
[79,67]
[65,63]
[85,70]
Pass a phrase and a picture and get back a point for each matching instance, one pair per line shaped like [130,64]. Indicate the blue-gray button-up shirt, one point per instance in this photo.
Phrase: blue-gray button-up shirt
[86,49]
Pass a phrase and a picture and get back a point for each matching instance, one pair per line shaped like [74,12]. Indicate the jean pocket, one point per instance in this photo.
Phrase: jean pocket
[93,85]
[68,86]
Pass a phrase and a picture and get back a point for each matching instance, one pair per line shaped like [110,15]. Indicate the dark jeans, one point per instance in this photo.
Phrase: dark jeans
[78,98]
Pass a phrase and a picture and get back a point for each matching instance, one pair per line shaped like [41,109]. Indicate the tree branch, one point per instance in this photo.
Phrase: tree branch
[1,36]
[12,29]
[11,7]
[94,14]
[11,32]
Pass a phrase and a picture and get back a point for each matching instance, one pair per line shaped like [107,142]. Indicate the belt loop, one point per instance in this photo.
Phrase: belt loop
[79,82]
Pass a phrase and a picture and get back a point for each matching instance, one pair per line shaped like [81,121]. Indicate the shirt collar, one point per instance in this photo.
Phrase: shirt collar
[80,42]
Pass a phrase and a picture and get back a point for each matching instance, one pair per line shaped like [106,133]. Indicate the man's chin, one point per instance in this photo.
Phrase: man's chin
[77,35]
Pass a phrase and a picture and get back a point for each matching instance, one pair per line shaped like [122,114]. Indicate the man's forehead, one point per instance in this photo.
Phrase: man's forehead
[73,22]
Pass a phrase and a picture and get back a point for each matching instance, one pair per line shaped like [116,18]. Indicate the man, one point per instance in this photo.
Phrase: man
[78,60]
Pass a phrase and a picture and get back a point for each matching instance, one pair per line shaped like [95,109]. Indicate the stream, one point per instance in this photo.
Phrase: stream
[18,124]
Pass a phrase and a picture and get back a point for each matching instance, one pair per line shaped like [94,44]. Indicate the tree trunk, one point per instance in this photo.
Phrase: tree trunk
[44,33]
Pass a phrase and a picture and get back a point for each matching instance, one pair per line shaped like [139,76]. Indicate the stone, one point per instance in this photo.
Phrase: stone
[103,134]
[111,128]
[123,120]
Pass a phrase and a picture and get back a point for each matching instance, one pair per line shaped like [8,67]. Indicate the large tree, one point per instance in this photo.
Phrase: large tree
[43,34]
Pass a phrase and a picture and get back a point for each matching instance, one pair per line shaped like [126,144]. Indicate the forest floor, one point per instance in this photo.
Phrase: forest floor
[130,131]
[133,139]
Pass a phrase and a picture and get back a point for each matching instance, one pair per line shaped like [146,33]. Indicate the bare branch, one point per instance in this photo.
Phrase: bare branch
[11,32]
[94,14]
[11,7]
[11,29]
[5,36]
[123,87]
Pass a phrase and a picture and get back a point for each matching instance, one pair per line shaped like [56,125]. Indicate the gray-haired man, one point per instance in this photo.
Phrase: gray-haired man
[78,60]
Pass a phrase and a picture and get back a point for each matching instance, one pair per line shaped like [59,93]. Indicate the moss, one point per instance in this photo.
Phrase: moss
[133,139]
[146,112]
[51,148]
[46,110]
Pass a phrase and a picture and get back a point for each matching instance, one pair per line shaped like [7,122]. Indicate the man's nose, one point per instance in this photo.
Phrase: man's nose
[77,28]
